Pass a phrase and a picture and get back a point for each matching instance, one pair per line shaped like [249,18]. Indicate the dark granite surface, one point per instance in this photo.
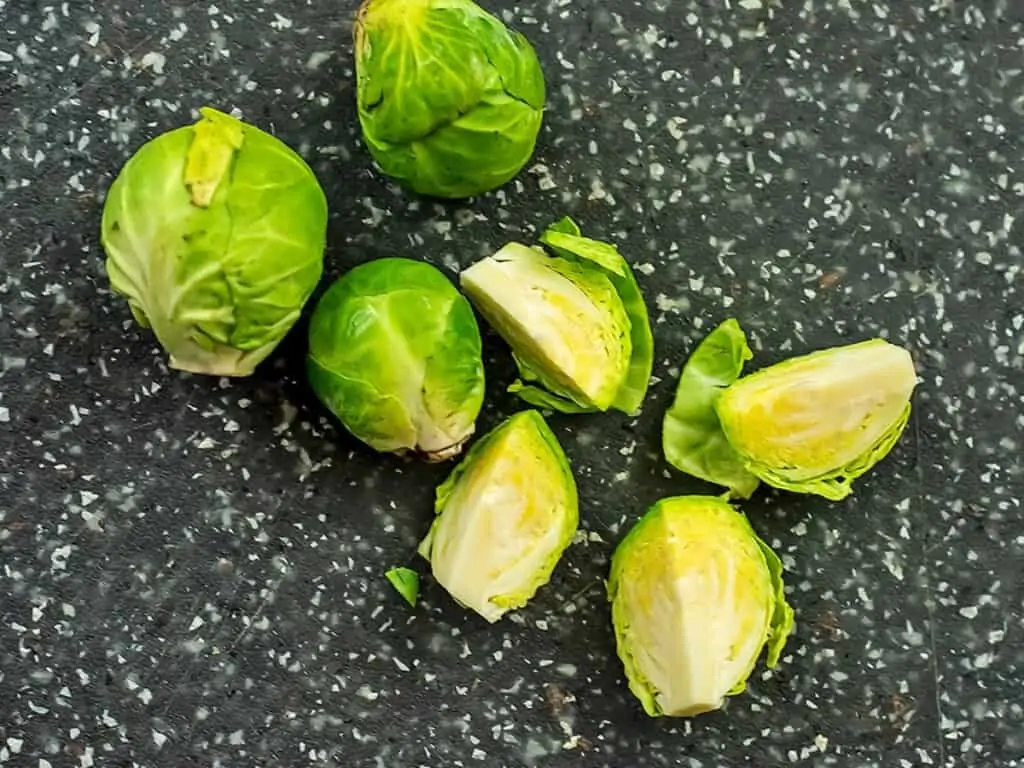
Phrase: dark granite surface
[191,570]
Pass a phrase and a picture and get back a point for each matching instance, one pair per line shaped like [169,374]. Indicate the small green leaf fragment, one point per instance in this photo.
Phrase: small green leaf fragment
[406,582]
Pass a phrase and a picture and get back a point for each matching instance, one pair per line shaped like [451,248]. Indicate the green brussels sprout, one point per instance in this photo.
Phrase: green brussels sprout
[811,424]
[215,233]
[450,100]
[815,423]
[696,596]
[574,317]
[692,437]
[395,354]
[504,517]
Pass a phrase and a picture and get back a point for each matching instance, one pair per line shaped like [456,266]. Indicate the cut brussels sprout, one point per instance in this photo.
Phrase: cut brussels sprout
[395,354]
[450,99]
[504,518]
[692,437]
[574,318]
[815,423]
[696,596]
[215,233]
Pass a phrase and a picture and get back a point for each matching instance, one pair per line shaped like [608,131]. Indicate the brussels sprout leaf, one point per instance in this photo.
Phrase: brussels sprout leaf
[692,436]
[782,618]
[406,582]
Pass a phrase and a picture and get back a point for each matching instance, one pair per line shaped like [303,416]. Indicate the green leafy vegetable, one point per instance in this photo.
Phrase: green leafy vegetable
[215,233]
[696,597]
[395,354]
[450,99]
[504,517]
[815,423]
[692,436]
[406,582]
[574,318]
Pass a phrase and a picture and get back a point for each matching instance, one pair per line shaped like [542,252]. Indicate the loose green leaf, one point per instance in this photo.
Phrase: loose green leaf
[406,582]
[692,436]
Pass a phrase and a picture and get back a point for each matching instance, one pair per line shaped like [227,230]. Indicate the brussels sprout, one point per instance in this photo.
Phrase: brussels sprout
[504,518]
[215,233]
[395,354]
[574,317]
[695,597]
[692,437]
[450,100]
[815,423]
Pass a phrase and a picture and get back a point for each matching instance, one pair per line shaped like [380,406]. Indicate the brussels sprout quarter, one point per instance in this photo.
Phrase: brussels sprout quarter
[813,424]
[574,318]
[215,233]
[450,100]
[394,353]
[695,597]
[504,518]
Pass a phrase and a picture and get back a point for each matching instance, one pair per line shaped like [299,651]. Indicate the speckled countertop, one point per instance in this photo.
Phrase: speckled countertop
[191,570]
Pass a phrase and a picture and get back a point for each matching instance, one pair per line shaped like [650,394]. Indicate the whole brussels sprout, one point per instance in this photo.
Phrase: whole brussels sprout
[395,354]
[450,100]
[504,517]
[811,424]
[215,233]
[574,318]
[696,596]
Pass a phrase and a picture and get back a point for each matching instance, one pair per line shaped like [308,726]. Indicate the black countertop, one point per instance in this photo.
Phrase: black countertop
[191,570]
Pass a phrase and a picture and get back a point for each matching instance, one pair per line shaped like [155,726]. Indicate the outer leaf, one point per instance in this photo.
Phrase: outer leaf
[215,234]
[782,618]
[692,436]
[504,517]
[406,582]
[395,354]
[565,239]
[450,99]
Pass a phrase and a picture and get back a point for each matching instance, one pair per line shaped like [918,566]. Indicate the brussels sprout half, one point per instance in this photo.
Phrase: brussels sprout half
[815,423]
[395,354]
[574,317]
[450,100]
[215,233]
[504,517]
[695,597]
